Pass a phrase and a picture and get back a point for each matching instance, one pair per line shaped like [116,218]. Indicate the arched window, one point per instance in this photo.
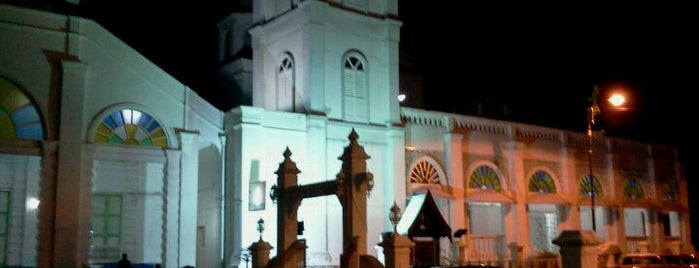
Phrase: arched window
[669,190]
[132,127]
[633,189]
[590,186]
[484,178]
[424,172]
[354,85]
[541,182]
[19,118]
[286,95]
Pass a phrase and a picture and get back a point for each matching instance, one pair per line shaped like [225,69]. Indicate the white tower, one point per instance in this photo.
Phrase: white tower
[333,58]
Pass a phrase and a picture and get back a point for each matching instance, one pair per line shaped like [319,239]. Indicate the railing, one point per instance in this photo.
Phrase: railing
[485,248]
[636,244]
[553,262]
[673,245]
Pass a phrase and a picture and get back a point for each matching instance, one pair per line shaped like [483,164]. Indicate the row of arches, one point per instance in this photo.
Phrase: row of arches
[486,177]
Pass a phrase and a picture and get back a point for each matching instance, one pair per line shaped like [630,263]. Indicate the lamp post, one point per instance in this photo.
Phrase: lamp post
[591,112]
[616,100]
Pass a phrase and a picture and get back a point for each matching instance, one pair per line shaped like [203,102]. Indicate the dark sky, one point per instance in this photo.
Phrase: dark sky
[538,60]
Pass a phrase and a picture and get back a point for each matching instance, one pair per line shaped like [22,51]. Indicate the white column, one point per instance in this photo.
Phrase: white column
[612,189]
[395,173]
[49,162]
[517,233]
[189,143]
[73,188]
[569,189]
[171,195]
[453,163]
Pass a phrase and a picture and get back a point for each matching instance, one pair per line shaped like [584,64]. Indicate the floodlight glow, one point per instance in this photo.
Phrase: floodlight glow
[401,97]
[33,203]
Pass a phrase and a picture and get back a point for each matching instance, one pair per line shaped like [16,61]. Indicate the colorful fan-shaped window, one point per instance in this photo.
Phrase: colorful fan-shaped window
[132,127]
[484,178]
[541,182]
[590,186]
[633,189]
[19,119]
[424,172]
[670,190]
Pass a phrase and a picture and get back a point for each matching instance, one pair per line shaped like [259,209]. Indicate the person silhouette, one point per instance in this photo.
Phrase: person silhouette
[124,262]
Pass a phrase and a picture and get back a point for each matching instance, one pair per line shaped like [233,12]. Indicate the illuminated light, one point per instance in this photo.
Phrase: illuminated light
[33,203]
[257,196]
[617,99]
[401,97]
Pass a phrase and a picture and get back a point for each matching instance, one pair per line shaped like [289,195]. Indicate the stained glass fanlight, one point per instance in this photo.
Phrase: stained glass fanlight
[590,186]
[424,172]
[541,182]
[132,127]
[670,190]
[19,119]
[633,189]
[484,178]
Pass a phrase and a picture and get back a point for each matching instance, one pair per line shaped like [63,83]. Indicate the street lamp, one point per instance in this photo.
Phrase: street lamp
[616,100]
[395,216]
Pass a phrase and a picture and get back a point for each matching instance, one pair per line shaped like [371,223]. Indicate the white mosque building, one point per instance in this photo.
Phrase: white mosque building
[103,153]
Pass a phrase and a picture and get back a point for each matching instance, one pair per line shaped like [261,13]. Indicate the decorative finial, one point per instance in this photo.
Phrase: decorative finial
[353,136]
[395,216]
[261,227]
[287,153]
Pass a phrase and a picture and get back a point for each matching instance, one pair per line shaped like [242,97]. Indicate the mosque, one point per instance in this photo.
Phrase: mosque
[103,153]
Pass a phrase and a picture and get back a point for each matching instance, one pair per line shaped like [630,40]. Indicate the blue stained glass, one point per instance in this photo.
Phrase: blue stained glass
[541,182]
[26,114]
[143,121]
[485,178]
[31,131]
[590,186]
[153,126]
[118,119]
[109,121]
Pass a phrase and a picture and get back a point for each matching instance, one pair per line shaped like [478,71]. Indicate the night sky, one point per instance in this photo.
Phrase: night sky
[530,63]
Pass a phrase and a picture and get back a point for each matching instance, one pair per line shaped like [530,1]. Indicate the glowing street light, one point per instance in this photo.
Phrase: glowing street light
[616,100]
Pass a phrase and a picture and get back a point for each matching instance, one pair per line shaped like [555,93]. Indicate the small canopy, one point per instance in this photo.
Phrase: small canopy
[490,196]
[641,203]
[600,201]
[667,206]
[547,198]
[422,218]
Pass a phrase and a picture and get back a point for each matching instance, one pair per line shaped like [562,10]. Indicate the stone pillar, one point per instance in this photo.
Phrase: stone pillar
[396,250]
[675,247]
[356,184]
[516,254]
[643,246]
[259,252]
[463,248]
[578,248]
[287,220]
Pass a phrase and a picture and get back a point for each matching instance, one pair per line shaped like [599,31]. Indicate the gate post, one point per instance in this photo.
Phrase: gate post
[578,248]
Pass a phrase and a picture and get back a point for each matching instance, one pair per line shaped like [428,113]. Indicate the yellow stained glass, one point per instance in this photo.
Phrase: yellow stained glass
[128,131]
